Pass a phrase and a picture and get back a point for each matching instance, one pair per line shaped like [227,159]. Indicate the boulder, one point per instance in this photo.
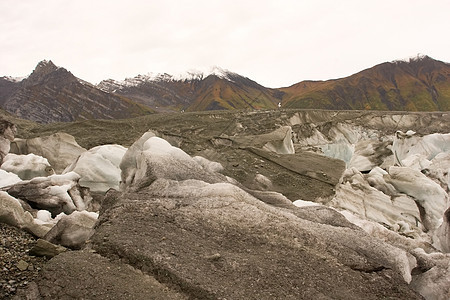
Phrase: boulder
[99,168]
[27,166]
[46,249]
[60,149]
[55,193]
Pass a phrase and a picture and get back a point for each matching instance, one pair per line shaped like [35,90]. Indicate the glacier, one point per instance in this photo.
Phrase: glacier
[390,204]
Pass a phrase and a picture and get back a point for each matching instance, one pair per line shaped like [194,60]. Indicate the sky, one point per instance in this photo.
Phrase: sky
[275,43]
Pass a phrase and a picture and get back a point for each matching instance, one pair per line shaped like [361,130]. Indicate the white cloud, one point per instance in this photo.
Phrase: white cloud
[276,43]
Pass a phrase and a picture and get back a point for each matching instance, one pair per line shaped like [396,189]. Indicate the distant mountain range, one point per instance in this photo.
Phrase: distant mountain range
[53,94]
[218,90]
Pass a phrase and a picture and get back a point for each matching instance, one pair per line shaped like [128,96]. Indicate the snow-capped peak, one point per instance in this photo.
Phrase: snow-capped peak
[417,57]
[190,75]
[14,79]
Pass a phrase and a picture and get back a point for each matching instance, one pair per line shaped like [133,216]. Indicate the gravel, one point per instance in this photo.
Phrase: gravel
[17,267]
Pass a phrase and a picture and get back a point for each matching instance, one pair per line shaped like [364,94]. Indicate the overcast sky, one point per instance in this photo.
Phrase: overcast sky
[276,43]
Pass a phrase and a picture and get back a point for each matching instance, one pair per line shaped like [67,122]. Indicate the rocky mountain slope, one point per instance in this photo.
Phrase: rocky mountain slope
[53,94]
[420,84]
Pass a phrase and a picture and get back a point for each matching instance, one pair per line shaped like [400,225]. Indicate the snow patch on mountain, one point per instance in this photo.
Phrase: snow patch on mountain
[417,57]
[14,79]
[190,75]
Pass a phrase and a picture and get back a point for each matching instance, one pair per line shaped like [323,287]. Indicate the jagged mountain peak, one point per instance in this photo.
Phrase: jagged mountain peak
[46,64]
[44,69]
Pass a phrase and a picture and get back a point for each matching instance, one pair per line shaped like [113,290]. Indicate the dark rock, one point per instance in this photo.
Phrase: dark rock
[46,249]
[14,257]
[22,265]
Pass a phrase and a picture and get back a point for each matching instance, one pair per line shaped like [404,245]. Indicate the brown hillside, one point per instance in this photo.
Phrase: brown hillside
[420,84]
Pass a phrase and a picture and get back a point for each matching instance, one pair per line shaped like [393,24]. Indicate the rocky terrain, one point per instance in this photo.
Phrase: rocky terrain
[278,204]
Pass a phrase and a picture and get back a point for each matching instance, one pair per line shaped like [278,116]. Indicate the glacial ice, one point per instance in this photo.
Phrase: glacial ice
[56,193]
[428,194]
[27,166]
[8,178]
[411,150]
[60,149]
[151,157]
[99,168]
[208,165]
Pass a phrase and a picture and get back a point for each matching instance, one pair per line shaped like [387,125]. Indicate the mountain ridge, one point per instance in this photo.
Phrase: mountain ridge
[420,84]
[219,89]
[53,94]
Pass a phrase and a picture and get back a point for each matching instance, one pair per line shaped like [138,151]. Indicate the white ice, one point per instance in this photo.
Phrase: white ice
[99,168]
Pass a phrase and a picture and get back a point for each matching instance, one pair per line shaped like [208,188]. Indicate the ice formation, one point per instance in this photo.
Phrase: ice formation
[27,166]
[99,168]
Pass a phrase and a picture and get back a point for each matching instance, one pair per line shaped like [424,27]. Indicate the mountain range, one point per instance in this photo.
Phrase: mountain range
[53,94]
